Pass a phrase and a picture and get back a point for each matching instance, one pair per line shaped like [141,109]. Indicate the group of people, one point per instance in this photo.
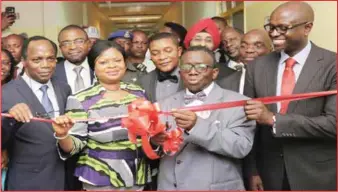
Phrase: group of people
[282,146]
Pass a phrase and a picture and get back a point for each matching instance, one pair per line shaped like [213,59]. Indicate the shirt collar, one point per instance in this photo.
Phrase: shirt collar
[206,90]
[299,57]
[34,85]
[84,64]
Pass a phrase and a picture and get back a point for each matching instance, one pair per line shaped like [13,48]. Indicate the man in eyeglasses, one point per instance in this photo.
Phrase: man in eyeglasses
[34,161]
[74,70]
[295,144]
[214,141]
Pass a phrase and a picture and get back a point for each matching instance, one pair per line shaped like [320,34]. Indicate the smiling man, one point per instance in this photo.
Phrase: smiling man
[214,141]
[34,162]
[296,142]
[75,70]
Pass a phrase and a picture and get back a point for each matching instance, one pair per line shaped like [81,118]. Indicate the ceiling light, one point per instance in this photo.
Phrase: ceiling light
[112,4]
[135,18]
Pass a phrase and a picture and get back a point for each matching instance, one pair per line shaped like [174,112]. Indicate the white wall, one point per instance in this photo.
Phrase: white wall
[196,10]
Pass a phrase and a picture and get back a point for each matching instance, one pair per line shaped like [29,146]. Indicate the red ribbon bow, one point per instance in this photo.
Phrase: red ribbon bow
[143,120]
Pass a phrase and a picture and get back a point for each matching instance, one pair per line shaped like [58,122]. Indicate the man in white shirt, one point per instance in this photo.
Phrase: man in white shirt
[75,70]
[34,163]
[214,141]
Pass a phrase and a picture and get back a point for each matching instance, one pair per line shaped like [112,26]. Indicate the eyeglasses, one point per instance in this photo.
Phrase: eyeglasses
[77,42]
[200,68]
[281,28]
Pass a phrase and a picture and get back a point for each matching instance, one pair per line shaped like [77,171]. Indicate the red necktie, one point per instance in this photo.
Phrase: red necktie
[288,82]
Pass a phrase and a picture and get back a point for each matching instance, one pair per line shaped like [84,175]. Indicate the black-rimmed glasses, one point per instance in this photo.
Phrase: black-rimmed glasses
[282,28]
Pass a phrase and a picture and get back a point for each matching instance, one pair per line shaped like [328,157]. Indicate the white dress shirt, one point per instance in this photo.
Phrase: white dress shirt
[35,86]
[232,64]
[300,58]
[71,75]
[20,68]
[242,80]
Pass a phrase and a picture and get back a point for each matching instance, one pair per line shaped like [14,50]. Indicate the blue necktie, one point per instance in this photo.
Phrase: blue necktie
[47,104]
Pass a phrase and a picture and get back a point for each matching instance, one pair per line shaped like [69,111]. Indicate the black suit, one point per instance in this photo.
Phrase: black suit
[305,140]
[34,161]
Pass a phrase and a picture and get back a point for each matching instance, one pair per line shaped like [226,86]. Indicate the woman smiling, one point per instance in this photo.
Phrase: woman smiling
[108,160]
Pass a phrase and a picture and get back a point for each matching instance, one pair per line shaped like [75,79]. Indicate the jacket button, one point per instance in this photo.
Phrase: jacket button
[281,155]
[178,162]
[175,185]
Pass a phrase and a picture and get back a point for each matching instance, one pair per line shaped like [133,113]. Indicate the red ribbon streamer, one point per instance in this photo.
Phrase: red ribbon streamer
[143,119]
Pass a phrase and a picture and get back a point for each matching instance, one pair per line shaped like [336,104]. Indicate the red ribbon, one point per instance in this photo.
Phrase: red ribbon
[143,119]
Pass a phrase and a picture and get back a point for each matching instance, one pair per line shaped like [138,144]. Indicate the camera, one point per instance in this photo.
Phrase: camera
[10,12]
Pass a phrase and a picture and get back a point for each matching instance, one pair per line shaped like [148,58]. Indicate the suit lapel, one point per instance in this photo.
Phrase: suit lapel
[32,101]
[151,86]
[270,71]
[309,70]
[92,76]
[60,100]
[60,72]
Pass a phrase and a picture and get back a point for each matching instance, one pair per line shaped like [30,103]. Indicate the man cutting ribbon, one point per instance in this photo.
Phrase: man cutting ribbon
[214,141]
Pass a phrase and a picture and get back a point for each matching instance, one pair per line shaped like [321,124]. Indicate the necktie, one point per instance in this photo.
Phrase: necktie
[167,76]
[288,82]
[198,96]
[79,84]
[46,103]
[140,66]
[222,58]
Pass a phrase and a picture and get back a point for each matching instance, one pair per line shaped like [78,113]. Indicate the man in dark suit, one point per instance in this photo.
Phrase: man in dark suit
[74,70]
[254,43]
[34,160]
[295,144]
[164,80]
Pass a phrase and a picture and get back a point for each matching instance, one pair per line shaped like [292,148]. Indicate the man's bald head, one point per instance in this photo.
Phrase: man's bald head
[254,43]
[300,10]
[290,26]
[13,43]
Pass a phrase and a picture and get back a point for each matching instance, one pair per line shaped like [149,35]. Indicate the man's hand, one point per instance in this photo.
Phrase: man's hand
[21,113]
[256,110]
[159,138]
[62,125]
[6,21]
[4,159]
[185,119]
[256,183]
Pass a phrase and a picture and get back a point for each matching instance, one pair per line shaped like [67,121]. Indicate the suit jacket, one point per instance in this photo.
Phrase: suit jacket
[34,161]
[305,140]
[231,82]
[60,73]
[224,71]
[149,81]
[210,157]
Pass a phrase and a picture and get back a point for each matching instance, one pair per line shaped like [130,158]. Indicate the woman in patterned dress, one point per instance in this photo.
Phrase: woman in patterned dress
[108,160]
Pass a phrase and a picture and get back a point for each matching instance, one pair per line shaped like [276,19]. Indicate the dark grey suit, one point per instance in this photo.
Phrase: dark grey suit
[305,140]
[231,82]
[34,161]
[60,73]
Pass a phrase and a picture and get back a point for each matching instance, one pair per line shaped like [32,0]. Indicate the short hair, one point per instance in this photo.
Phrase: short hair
[178,29]
[11,70]
[164,35]
[220,19]
[203,49]
[70,27]
[99,47]
[37,38]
